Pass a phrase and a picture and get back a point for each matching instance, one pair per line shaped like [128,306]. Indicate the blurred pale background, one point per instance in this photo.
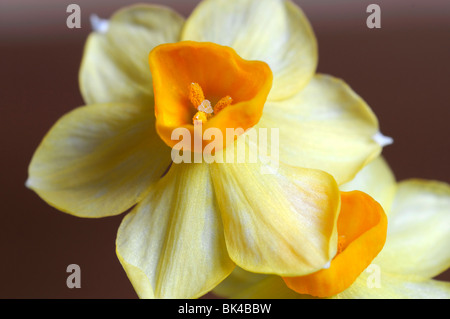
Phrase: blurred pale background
[402,70]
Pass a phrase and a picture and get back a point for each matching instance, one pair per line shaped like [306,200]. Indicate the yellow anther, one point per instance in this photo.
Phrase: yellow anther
[196,95]
[200,117]
[223,103]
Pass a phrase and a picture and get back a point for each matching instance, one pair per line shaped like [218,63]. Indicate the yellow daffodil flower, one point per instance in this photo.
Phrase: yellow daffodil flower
[415,251]
[247,64]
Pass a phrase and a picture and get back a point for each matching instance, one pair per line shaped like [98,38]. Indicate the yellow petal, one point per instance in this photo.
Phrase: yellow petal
[282,222]
[326,126]
[276,32]
[395,287]
[419,230]
[174,237]
[137,276]
[239,280]
[377,180]
[270,287]
[98,160]
[115,63]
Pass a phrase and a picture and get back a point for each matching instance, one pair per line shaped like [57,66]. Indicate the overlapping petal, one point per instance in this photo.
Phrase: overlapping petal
[98,160]
[326,126]
[419,230]
[274,31]
[115,63]
[171,245]
[280,221]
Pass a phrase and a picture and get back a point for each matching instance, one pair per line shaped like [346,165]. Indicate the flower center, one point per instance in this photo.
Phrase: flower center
[209,84]
[205,111]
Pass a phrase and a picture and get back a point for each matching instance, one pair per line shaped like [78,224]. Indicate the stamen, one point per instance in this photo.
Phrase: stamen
[196,95]
[205,110]
[199,118]
[223,103]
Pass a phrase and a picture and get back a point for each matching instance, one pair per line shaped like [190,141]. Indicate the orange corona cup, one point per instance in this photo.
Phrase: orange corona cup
[186,74]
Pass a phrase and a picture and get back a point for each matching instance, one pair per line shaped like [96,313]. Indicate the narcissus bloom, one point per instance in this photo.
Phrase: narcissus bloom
[231,64]
[415,251]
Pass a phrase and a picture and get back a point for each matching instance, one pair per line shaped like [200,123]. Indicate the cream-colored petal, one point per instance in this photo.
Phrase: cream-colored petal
[277,220]
[326,126]
[98,160]
[391,286]
[274,31]
[418,238]
[115,62]
[174,237]
[377,180]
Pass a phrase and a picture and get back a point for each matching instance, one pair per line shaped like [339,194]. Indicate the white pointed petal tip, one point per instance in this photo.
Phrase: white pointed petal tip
[98,24]
[382,140]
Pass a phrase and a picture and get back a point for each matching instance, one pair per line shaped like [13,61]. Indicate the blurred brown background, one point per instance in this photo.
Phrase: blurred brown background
[402,70]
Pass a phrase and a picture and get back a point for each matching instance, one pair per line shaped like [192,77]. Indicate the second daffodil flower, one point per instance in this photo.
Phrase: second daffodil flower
[416,248]
[231,64]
